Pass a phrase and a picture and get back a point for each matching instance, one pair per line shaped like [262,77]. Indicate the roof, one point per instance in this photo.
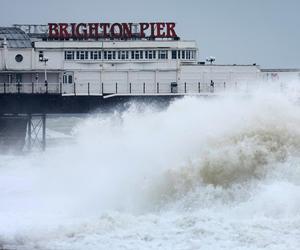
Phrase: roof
[280,70]
[226,65]
[15,37]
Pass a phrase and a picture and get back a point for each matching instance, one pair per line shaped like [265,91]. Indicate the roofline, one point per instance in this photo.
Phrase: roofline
[281,70]
[228,65]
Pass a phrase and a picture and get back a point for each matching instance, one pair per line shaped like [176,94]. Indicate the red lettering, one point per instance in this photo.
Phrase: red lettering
[160,27]
[127,30]
[105,27]
[116,30]
[143,27]
[171,30]
[152,26]
[93,30]
[107,30]
[73,28]
[53,32]
[81,32]
[64,34]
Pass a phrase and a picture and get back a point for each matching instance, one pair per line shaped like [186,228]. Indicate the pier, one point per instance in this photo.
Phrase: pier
[74,68]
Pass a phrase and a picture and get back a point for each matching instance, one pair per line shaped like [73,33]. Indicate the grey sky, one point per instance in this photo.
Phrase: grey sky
[234,31]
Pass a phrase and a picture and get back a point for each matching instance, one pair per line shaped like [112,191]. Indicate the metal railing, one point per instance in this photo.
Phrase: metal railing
[29,88]
[121,88]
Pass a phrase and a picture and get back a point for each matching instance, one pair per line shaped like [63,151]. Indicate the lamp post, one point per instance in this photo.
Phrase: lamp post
[211,60]
[45,60]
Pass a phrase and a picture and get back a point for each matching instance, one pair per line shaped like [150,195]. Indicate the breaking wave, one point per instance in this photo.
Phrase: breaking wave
[211,172]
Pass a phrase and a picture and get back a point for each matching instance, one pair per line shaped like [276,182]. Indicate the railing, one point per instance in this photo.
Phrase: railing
[112,89]
[29,88]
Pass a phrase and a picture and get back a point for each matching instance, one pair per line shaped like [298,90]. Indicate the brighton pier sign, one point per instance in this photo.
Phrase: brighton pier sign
[86,31]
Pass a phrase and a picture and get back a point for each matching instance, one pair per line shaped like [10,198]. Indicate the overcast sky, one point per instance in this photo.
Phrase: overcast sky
[234,31]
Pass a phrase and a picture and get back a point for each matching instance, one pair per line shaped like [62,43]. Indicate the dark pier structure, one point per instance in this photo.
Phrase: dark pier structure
[23,116]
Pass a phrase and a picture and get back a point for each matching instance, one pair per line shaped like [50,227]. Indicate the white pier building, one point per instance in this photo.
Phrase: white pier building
[115,59]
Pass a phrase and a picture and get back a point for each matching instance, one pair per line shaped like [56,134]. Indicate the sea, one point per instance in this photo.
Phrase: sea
[203,173]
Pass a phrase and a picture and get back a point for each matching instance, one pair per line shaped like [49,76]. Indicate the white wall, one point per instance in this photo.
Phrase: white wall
[218,73]
[278,75]
[11,63]
[115,44]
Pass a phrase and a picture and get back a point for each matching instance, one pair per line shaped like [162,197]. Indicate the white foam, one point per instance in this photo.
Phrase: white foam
[211,173]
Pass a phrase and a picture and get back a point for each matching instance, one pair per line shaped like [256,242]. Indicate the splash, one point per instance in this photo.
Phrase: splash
[199,166]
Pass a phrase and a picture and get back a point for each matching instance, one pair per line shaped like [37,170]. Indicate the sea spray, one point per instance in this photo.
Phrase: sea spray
[205,172]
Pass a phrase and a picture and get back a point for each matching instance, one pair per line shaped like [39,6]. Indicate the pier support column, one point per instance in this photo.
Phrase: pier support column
[12,132]
[29,127]
[36,132]
[44,132]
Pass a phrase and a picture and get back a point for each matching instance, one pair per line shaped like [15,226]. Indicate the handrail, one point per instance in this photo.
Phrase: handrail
[120,88]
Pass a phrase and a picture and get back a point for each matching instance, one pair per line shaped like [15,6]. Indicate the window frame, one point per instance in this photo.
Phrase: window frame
[69,55]
[163,54]
[174,54]
[137,55]
[67,76]
[183,54]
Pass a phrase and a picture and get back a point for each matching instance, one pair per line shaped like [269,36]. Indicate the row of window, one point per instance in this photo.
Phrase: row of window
[184,54]
[128,54]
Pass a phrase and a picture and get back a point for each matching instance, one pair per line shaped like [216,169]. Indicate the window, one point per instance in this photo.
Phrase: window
[68,77]
[9,78]
[137,55]
[154,54]
[19,58]
[122,55]
[109,55]
[85,55]
[82,55]
[69,55]
[149,54]
[182,54]
[188,54]
[194,54]
[141,54]
[174,54]
[162,54]
[95,55]
[19,78]
[178,54]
